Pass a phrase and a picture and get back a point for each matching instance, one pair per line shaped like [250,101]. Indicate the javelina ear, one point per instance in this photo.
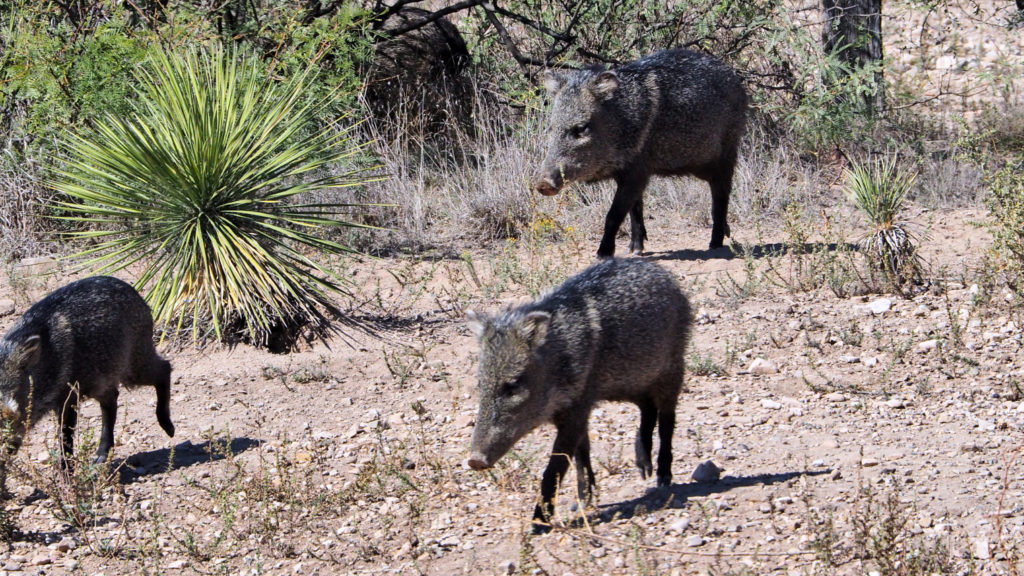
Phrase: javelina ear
[477,323]
[534,328]
[553,81]
[605,85]
[28,351]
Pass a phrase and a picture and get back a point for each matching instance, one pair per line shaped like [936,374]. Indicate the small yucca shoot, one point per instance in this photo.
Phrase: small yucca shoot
[878,189]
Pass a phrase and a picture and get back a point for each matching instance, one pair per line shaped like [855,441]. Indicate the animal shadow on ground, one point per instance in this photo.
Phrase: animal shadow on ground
[758,251]
[675,496]
[137,466]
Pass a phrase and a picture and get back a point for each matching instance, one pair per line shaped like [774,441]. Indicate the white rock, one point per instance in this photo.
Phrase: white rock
[835,397]
[761,367]
[880,306]
[869,360]
[707,472]
[982,550]
[848,359]
[770,404]
[695,541]
[928,345]
[6,307]
[680,525]
[895,402]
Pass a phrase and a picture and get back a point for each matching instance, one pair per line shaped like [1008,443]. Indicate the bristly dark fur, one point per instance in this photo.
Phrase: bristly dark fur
[671,113]
[617,331]
[88,338]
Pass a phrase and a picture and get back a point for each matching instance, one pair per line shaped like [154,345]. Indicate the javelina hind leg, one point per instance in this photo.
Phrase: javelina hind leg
[666,427]
[585,482]
[645,437]
[163,397]
[721,186]
[638,232]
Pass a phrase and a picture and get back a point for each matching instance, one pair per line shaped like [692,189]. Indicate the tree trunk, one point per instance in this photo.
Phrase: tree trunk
[854,28]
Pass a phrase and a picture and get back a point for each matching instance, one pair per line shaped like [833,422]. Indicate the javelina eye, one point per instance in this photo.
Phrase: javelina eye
[580,131]
[512,387]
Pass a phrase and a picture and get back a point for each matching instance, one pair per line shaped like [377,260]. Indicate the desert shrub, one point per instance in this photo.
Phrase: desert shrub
[1006,205]
[878,190]
[205,185]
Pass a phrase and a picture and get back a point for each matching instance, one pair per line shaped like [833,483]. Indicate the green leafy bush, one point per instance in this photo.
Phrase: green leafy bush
[1006,205]
[206,185]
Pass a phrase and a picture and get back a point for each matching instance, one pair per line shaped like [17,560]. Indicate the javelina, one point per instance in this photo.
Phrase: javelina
[87,337]
[616,331]
[672,113]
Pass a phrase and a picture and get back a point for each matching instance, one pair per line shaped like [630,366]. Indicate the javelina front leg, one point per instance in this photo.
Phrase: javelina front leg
[68,421]
[666,428]
[630,191]
[585,482]
[638,232]
[567,439]
[645,437]
[108,406]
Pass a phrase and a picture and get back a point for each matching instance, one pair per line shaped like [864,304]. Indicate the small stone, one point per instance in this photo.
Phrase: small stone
[982,550]
[6,307]
[695,541]
[508,567]
[770,404]
[895,402]
[869,360]
[835,397]
[707,472]
[41,560]
[928,345]
[848,359]
[680,525]
[869,462]
[762,367]
[880,306]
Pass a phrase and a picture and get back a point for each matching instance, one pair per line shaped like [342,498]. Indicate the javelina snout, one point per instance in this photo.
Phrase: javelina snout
[86,338]
[548,185]
[616,331]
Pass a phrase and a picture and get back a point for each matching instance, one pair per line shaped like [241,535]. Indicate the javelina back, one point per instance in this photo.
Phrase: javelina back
[87,337]
[671,113]
[616,331]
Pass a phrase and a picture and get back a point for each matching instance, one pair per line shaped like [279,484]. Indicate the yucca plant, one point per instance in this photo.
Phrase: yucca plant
[878,189]
[206,185]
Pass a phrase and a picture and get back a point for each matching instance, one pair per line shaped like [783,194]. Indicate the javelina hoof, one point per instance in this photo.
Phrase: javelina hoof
[664,481]
[540,528]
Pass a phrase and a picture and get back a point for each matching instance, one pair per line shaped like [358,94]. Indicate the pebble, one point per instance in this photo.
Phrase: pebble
[695,541]
[928,345]
[6,307]
[982,550]
[895,402]
[835,397]
[707,472]
[880,306]
[680,525]
[762,367]
[770,404]
[508,567]
[869,462]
